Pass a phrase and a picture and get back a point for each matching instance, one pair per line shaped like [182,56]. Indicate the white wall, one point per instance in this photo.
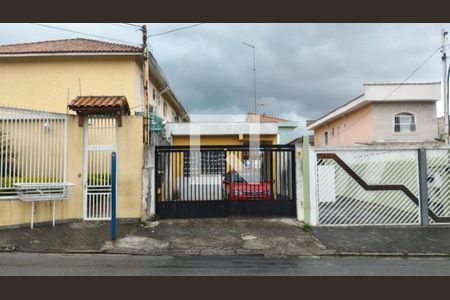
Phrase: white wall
[426,122]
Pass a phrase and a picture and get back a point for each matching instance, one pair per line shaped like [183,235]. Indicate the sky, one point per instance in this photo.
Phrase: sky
[302,70]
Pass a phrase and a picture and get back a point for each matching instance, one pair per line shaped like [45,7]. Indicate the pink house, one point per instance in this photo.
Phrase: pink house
[386,113]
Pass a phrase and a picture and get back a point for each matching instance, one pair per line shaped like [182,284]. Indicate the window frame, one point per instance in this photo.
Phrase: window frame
[405,113]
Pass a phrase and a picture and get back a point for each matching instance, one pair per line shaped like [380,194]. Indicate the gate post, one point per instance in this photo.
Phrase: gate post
[423,188]
[113,196]
[305,171]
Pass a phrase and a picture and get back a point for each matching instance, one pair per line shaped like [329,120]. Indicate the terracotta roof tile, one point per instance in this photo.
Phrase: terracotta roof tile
[100,104]
[78,45]
[254,117]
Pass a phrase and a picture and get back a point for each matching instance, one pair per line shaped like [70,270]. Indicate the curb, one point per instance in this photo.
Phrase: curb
[390,254]
[10,248]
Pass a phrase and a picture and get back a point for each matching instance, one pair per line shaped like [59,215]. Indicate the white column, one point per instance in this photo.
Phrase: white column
[312,189]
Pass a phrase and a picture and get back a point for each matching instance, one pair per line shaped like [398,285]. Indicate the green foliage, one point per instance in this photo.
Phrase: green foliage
[6,154]
[99,179]
[307,227]
[8,181]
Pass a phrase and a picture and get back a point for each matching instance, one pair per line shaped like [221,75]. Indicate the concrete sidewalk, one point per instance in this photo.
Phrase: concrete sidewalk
[229,236]
[386,240]
[232,236]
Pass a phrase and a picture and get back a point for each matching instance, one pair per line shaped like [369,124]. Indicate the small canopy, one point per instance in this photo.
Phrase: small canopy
[115,106]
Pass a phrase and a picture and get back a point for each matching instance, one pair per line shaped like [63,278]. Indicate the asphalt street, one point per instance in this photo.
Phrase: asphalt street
[100,264]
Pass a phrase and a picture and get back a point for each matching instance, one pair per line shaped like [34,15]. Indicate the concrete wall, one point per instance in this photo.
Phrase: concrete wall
[426,122]
[286,134]
[221,140]
[47,83]
[130,154]
[355,127]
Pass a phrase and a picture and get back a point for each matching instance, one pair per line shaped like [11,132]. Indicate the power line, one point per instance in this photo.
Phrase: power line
[393,91]
[83,33]
[413,72]
[121,25]
[133,25]
[176,29]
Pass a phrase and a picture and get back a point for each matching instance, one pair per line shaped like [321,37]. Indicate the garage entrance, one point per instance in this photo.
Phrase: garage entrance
[221,181]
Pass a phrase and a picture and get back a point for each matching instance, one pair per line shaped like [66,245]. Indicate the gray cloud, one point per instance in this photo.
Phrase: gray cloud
[303,70]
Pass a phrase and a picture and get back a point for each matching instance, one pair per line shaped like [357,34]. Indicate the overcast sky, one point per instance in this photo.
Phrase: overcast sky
[302,70]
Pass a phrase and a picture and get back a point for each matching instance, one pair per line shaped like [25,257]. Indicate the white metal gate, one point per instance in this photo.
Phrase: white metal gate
[438,180]
[367,187]
[100,140]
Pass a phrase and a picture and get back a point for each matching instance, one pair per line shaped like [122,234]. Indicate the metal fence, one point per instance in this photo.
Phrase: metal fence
[438,182]
[367,187]
[213,181]
[33,149]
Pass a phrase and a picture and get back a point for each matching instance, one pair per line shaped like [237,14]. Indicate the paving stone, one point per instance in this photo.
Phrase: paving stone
[392,239]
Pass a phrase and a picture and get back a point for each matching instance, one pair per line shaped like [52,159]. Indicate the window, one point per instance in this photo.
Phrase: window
[332,131]
[165,109]
[204,163]
[404,122]
[154,94]
[325,138]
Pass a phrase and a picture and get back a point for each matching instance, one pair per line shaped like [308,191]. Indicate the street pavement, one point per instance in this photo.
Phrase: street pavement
[34,264]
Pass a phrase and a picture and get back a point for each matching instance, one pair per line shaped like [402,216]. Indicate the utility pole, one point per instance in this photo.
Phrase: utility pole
[254,70]
[145,71]
[445,83]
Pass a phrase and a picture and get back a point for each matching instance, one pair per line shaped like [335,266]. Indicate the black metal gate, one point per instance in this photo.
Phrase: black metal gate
[221,181]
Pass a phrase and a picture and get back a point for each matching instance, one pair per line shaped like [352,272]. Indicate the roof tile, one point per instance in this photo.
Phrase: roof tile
[255,117]
[100,103]
[78,45]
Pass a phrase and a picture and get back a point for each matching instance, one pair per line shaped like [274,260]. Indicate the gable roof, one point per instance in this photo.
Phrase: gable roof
[100,104]
[67,46]
[384,92]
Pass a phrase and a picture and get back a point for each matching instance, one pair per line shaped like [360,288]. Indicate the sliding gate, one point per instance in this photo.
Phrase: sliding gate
[221,181]
[381,186]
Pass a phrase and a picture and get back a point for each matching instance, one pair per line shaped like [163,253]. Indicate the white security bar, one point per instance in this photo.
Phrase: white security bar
[32,149]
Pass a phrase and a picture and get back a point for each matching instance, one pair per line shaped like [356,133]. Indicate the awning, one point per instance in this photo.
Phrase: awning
[115,106]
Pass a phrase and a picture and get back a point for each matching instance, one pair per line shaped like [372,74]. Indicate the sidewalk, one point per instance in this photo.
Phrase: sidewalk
[232,236]
[269,237]
[386,240]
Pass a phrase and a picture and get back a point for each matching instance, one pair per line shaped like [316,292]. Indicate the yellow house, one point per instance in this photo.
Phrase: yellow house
[42,86]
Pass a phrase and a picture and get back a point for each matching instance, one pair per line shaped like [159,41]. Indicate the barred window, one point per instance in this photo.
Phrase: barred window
[404,122]
[204,163]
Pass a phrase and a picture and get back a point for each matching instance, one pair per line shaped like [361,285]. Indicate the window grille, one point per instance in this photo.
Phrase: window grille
[32,149]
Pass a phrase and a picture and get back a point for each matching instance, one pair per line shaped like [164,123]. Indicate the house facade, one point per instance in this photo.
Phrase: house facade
[95,89]
[285,127]
[383,114]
